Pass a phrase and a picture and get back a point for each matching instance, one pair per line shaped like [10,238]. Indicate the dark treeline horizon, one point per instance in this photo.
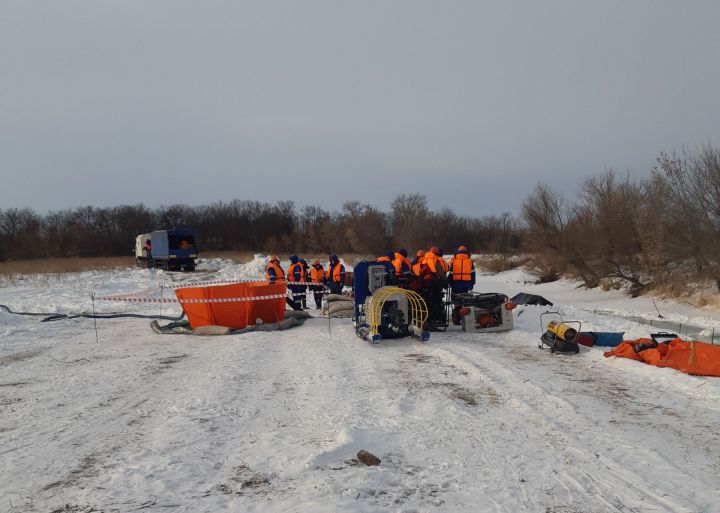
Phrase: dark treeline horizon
[661,232]
[246,225]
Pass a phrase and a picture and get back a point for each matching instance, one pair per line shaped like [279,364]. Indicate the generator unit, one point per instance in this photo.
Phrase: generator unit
[478,312]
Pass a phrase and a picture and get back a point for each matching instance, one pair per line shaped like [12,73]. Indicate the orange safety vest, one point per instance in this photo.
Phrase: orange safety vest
[291,273]
[335,276]
[398,263]
[443,263]
[431,259]
[462,267]
[418,266]
[317,275]
[279,273]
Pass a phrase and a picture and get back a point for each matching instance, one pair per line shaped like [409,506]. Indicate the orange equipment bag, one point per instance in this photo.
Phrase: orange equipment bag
[688,356]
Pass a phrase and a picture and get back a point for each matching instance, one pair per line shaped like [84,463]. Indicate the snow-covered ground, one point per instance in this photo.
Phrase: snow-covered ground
[272,421]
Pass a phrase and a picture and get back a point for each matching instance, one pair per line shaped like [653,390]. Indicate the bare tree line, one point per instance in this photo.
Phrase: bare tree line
[254,226]
[650,233]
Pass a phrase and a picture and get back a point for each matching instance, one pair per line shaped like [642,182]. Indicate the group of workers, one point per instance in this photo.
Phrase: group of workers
[428,269]
[429,265]
[300,276]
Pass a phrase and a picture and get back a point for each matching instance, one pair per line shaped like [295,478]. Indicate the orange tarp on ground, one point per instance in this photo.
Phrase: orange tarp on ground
[689,356]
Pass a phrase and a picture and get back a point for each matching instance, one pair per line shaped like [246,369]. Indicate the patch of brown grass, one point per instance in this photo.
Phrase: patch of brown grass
[63,265]
[499,263]
[241,257]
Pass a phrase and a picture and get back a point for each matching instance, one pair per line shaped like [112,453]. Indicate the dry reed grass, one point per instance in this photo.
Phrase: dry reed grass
[63,265]
[499,263]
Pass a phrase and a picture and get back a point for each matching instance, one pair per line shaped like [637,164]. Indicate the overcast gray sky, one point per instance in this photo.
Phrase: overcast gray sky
[469,102]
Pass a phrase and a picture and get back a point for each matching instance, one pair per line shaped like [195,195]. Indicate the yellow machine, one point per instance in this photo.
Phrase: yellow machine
[559,335]
[562,331]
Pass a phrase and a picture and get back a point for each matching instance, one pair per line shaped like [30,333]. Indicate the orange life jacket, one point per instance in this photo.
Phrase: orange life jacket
[431,259]
[461,266]
[443,263]
[417,268]
[335,276]
[291,273]
[279,273]
[317,274]
[398,263]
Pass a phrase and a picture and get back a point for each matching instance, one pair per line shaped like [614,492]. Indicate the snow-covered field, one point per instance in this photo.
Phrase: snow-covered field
[272,421]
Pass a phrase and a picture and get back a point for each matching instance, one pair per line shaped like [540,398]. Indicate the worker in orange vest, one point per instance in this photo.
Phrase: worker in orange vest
[418,262]
[401,264]
[318,279]
[462,272]
[442,260]
[436,268]
[273,271]
[296,278]
[336,275]
[387,257]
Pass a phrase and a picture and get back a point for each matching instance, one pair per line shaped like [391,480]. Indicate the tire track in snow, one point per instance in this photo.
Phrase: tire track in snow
[563,418]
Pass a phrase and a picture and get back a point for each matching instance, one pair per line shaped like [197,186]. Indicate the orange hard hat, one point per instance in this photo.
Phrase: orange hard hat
[462,248]
[420,253]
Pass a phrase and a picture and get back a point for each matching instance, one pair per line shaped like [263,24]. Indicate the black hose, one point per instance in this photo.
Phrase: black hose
[52,316]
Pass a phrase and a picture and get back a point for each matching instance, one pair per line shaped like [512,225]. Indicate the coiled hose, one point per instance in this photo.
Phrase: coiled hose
[54,316]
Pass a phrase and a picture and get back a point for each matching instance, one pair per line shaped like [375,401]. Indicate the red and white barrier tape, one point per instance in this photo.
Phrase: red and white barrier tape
[190,301]
[230,282]
[214,282]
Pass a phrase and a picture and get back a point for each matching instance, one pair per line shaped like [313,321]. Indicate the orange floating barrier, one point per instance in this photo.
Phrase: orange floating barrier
[233,305]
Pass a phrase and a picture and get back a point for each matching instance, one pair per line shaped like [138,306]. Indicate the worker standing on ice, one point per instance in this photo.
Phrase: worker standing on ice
[462,272]
[336,275]
[317,277]
[273,271]
[296,279]
[306,269]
